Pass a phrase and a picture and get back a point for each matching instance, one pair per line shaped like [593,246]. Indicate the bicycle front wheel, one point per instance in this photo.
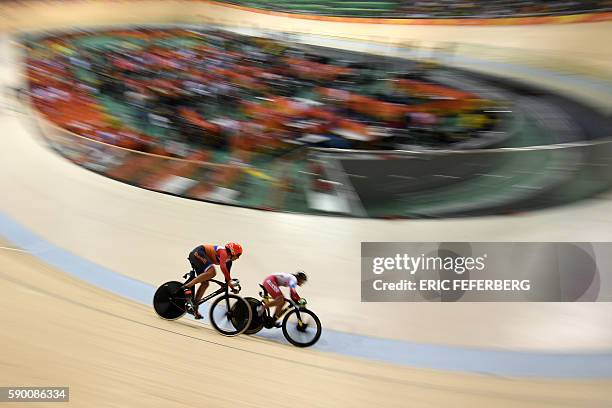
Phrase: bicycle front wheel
[230,315]
[302,330]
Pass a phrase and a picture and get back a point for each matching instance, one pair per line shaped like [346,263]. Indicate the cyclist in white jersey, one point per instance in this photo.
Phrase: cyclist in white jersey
[273,283]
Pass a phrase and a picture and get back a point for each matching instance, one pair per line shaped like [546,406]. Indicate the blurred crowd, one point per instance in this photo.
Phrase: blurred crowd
[172,92]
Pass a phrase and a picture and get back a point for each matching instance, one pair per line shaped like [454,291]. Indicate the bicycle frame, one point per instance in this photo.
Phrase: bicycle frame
[297,308]
[222,289]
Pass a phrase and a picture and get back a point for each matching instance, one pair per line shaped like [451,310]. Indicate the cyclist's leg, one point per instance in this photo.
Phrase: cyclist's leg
[202,271]
[199,267]
[275,293]
[278,302]
[203,279]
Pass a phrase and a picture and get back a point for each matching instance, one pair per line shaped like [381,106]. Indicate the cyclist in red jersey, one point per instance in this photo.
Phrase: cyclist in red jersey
[203,260]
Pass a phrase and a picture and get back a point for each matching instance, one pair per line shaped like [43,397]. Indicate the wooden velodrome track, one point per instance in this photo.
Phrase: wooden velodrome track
[116,353]
[113,352]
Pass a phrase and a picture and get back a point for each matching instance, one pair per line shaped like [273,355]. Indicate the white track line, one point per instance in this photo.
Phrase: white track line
[13,249]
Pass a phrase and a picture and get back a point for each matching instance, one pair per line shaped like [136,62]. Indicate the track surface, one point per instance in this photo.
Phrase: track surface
[113,352]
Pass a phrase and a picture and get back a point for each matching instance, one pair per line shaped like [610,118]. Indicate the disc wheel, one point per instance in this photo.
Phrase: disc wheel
[230,315]
[302,331]
[169,301]
[257,322]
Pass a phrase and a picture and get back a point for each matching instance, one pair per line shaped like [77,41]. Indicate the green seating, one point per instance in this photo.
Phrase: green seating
[361,8]
[356,11]
[370,5]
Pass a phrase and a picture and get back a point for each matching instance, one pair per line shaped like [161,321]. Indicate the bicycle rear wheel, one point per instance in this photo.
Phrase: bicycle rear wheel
[230,315]
[302,331]
[169,301]
[257,322]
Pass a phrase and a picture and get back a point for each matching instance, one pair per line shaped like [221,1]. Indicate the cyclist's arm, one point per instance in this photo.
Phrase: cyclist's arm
[226,264]
[294,295]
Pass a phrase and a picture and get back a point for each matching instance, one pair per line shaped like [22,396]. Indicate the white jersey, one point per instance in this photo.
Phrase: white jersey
[286,279]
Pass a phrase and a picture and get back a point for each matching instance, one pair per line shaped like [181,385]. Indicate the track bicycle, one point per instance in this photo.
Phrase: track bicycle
[229,313]
[301,327]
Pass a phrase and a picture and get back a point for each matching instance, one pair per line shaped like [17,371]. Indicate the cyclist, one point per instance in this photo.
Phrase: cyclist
[203,260]
[272,284]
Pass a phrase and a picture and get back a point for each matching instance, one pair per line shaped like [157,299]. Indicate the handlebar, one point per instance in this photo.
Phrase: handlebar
[236,284]
[295,304]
